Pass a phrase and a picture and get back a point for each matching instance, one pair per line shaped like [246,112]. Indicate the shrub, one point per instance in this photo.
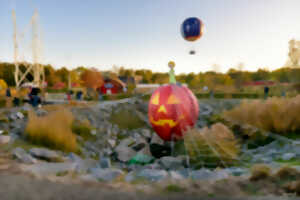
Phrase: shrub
[215,146]
[127,119]
[287,173]
[82,128]
[280,115]
[259,172]
[229,95]
[53,130]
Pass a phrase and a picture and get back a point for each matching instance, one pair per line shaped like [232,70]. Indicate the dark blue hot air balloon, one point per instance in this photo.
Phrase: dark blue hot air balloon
[192,29]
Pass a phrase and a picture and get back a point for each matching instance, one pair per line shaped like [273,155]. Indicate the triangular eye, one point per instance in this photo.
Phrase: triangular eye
[155,99]
[173,100]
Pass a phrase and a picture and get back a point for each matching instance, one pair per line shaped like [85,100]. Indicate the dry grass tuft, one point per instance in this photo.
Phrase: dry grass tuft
[52,130]
[287,173]
[293,187]
[280,115]
[55,107]
[216,146]
[259,172]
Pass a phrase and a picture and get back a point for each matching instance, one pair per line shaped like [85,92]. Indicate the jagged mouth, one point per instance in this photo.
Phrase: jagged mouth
[163,122]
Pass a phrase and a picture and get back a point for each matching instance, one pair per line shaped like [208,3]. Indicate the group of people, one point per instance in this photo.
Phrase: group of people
[33,98]
[78,95]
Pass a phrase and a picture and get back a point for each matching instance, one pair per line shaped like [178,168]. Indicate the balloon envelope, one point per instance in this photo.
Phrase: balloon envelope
[172,110]
[192,29]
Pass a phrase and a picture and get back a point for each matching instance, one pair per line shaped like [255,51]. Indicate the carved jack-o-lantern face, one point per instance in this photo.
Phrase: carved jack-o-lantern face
[172,109]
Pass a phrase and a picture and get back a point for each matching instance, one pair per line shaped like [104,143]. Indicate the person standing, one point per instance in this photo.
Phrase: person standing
[8,97]
[266,92]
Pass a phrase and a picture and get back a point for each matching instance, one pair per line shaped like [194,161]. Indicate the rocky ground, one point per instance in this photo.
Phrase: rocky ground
[134,163]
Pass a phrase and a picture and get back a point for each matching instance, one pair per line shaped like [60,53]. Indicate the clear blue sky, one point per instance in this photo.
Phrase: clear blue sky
[145,33]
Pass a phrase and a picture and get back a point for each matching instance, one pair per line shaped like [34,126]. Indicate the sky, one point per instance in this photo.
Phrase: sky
[146,33]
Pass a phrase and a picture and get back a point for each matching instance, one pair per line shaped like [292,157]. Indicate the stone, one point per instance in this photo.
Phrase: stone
[111,142]
[205,174]
[156,139]
[185,172]
[146,133]
[19,115]
[4,139]
[205,110]
[176,175]
[108,174]
[22,156]
[45,154]
[236,171]
[105,162]
[46,169]
[13,116]
[88,178]
[139,146]
[84,165]
[152,174]
[288,156]
[130,176]
[41,112]
[124,153]
[93,132]
[152,166]
[146,150]
[169,162]
[74,157]
[127,142]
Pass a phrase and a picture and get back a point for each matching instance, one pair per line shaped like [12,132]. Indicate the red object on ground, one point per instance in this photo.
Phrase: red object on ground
[59,86]
[75,85]
[259,83]
[172,110]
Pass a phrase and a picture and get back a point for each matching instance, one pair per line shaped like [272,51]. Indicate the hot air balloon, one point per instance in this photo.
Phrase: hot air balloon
[192,30]
[172,110]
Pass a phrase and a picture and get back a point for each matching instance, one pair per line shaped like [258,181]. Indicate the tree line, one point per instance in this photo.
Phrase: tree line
[93,77]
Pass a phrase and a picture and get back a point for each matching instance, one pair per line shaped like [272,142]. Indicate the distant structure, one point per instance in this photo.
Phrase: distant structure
[294,53]
[35,68]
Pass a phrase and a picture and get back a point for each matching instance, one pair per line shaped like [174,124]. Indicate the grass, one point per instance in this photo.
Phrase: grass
[174,188]
[292,162]
[211,147]
[279,115]
[53,130]
[259,172]
[126,119]
[287,173]
[83,129]
[63,173]
[3,118]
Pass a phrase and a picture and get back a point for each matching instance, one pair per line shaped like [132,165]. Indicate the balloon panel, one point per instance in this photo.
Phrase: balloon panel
[191,29]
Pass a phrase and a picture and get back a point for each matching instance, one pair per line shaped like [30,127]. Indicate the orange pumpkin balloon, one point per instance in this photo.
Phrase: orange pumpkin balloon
[172,110]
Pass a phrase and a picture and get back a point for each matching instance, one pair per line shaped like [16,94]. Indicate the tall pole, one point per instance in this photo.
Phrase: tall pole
[16,74]
[35,49]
